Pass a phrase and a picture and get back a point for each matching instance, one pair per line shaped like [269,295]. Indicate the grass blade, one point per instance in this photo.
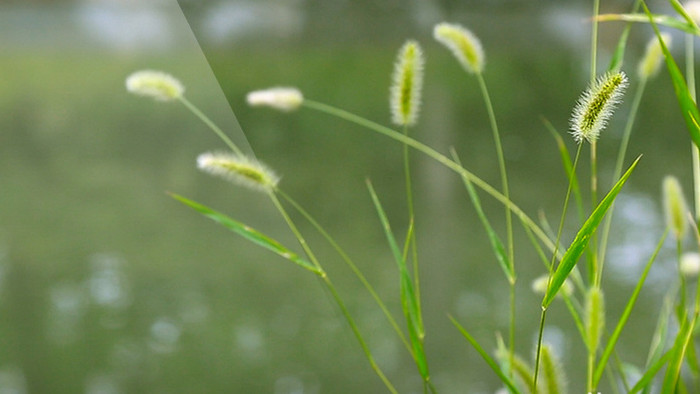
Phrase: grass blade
[249,233]
[578,246]
[489,360]
[625,315]
[659,19]
[496,245]
[685,100]
[645,380]
[408,295]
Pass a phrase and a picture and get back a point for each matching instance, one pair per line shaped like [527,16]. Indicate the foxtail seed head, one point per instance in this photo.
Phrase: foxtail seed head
[155,84]
[281,98]
[238,169]
[407,84]
[596,105]
[595,317]
[651,61]
[463,44]
[675,207]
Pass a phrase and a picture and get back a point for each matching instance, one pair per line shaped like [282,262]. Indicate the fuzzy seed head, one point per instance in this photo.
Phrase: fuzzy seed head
[281,98]
[463,44]
[155,84]
[405,93]
[596,105]
[690,264]
[238,169]
[675,207]
[651,62]
[595,317]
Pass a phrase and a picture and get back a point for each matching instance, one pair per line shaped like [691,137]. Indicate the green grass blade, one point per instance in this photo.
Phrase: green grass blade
[673,371]
[408,296]
[685,100]
[625,315]
[659,19]
[489,360]
[646,379]
[679,9]
[578,246]
[249,233]
[496,245]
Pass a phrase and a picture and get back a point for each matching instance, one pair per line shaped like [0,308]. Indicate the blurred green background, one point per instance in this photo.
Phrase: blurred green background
[107,285]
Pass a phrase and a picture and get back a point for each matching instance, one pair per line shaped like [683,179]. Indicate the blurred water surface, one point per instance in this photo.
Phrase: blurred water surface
[107,285]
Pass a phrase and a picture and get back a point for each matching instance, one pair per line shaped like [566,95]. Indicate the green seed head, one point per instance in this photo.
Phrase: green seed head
[595,317]
[238,169]
[155,84]
[463,44]
[675,208]
[651,62]
[407,84]
[596,105]
[281,98]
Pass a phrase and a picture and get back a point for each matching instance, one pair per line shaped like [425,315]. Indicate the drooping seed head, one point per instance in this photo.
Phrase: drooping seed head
[596,105]
[463,44]
[155,84]
[238,169]
[281,98]
[405,93]
[675,208]
[651,62]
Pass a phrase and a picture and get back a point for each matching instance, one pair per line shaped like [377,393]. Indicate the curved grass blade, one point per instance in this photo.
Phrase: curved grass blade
[489,360]
[578,246]
[685,100]
[408,295]
[680,346]
[659,19]
[496,245]
[625,315]
[645,381]
[249,233]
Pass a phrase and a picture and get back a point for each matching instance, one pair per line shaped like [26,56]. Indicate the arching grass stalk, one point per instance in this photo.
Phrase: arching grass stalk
[509,219]
[551,265]
[440,158]
[331,287]
[346,258]
[211,125]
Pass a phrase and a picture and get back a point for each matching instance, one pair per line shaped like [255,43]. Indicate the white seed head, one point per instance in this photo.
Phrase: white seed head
[692,8]
[690,264]
[596,105]
[405,93]
[238,169]
[463,44]
[155,84]
[675,208]
[651,62]
[281,98]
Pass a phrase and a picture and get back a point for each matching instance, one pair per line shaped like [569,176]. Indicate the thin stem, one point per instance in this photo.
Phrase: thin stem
[594,39]
[352,266]
[690,76]
[509,219]
[334,292]
[411,239]
[554,256]
[539,349]
[622,152]
[440,158]
[211,125]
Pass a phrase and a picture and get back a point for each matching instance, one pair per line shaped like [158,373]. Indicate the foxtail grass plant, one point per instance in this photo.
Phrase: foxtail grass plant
[671,363]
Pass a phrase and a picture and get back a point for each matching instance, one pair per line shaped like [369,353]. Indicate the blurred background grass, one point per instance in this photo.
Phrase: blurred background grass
[109,286]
